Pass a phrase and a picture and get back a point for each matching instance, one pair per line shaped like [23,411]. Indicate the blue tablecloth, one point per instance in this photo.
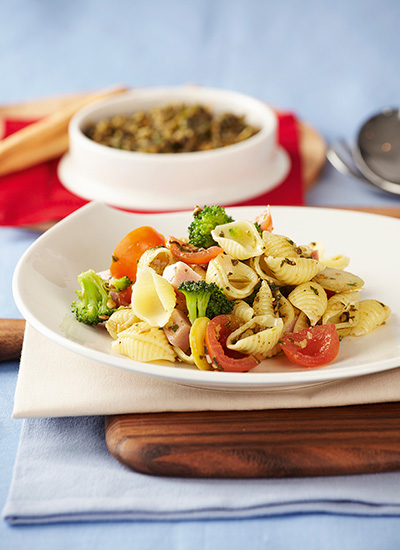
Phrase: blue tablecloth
[333,64]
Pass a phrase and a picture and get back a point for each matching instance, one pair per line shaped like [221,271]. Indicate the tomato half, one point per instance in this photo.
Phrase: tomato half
[311,347]
[264,220]
[128,251]
[190,254]
[217,332]
[122,298]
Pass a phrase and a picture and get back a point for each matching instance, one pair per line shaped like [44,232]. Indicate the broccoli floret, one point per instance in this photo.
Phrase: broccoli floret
[205,220]
[120,284]
[93,305]
[204,300]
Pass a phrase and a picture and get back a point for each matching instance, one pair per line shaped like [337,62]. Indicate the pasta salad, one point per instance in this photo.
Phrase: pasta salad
[230,294]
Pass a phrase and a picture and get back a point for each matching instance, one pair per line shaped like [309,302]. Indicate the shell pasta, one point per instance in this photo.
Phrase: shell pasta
[238,300]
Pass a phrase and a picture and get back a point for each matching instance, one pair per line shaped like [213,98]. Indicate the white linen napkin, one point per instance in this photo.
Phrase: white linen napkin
[54,382]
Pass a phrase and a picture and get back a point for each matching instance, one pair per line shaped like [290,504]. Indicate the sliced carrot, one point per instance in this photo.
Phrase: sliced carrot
[128,251]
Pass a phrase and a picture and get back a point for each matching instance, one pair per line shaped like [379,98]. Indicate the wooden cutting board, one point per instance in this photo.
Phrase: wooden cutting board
[257,444]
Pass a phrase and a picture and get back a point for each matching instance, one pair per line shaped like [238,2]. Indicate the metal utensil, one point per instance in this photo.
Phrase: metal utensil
[340,156]
[375,159]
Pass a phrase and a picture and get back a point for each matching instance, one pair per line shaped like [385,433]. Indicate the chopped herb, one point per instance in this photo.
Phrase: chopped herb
[314,290]
[287,261]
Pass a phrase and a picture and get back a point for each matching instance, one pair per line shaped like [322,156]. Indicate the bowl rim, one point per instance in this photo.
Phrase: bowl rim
[77,135]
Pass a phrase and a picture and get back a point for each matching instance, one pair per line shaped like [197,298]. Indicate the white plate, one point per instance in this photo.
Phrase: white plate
[46,278]
[79,183]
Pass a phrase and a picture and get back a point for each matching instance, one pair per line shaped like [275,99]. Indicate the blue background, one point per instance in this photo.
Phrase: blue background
[332,63]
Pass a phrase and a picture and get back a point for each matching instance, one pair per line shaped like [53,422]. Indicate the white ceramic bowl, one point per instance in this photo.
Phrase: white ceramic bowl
[173,181]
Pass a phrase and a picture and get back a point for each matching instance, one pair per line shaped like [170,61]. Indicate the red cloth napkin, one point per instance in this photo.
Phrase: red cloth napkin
[35,195]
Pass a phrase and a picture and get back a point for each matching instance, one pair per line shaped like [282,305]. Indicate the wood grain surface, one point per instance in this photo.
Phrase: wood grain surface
[312,148]
[46,138]
[11,338]
[258,444]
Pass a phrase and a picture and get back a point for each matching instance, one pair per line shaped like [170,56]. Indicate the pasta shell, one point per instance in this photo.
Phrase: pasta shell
[144,343]
[343,309]
[310,298]
[153,297]
[120,320]
[264,301]
[284,310]
[236,279]
[336,262]
[279,245]
[240,239]
[305,251]
[184,357]
[294,271]
[242,310]
[338,280]
[372,315]
[318,247]
[260,266]
[157,258]
[257,336]
[343,332]
[302,322]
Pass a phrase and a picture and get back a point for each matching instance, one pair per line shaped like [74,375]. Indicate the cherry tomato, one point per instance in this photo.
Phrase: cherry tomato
[264,220]
[128,251]
[190,254]
[311,347]
[217,332]
[123,297]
